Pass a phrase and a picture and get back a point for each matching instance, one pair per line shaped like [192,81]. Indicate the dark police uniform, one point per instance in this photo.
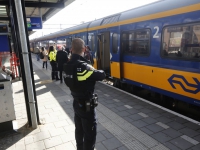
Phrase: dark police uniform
[61,58]
[80,77]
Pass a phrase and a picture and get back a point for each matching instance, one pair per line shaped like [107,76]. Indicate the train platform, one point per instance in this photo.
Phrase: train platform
[125,121]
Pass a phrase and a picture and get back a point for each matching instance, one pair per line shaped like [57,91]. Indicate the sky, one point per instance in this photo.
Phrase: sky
[81,11]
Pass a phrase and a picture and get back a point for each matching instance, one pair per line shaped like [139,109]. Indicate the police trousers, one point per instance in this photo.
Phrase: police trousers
[85,128]
[54,72]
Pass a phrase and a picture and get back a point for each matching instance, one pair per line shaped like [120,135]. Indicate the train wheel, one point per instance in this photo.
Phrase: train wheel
[123,86]
[131,88]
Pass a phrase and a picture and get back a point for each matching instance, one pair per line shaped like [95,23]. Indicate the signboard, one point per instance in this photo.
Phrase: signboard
[4,39]
[34,23]
[4,29]
[4,44]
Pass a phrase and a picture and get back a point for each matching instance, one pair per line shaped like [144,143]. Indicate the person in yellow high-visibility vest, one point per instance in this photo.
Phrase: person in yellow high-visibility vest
[52,59]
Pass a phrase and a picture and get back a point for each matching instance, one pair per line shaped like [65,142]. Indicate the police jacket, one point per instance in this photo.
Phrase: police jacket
[61,58]
[81,77]
[52,55]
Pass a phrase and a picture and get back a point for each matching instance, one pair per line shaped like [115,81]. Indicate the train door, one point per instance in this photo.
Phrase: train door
[68,45]
[73,37]
[60,42]
[92,43]
[103,52]
[69,42]
[115,55]
[52,43]
[84,37]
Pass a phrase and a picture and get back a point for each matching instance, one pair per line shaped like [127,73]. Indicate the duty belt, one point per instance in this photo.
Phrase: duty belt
[87,104]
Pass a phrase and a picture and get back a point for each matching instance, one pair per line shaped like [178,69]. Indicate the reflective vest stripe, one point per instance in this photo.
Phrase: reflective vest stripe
[81,73]
[85,76]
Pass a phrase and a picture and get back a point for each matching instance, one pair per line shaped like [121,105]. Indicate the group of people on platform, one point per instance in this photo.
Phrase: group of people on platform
[58,57]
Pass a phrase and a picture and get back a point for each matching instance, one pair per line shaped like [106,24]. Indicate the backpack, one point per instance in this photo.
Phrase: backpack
[41,55]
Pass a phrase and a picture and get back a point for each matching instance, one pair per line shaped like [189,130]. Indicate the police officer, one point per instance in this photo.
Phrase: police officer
[80,77]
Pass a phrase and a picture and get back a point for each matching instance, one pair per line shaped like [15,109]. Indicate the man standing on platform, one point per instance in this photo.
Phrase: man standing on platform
[81,77]
[61,58]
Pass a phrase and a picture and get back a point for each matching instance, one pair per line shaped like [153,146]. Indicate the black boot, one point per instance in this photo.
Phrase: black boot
[52,75]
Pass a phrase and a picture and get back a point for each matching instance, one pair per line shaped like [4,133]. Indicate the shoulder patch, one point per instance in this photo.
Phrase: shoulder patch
[79,69]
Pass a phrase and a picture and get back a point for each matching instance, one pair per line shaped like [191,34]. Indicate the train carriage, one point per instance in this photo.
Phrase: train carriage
[156,46]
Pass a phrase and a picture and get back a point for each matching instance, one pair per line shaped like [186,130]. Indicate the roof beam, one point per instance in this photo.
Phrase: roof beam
[4,2]
[44,4]
[4,18]
[38,4]
[44,17]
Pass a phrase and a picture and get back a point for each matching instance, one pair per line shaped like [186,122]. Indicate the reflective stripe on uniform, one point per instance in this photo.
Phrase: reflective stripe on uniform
[81,73]
[85,76]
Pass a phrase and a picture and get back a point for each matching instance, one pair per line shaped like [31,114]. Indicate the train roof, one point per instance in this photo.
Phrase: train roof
[63,32]
[153,8]
[156,7]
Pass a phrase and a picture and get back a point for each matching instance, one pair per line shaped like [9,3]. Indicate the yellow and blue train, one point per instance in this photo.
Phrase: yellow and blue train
[156,46]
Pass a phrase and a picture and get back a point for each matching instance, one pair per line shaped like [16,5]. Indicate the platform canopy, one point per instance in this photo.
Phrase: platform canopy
[48,8]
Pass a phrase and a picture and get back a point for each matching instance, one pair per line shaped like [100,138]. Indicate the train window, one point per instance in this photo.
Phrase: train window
[52,43]
[181,42]
[84,38]
[114,43]
[110,19]
[44,44]
[131,36]
[136,42]
[69,42]
[61,42]
[142,35]
[36,44]
[125,36]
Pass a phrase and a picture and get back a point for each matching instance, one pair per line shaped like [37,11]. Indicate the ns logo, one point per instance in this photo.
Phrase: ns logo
[173,80]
